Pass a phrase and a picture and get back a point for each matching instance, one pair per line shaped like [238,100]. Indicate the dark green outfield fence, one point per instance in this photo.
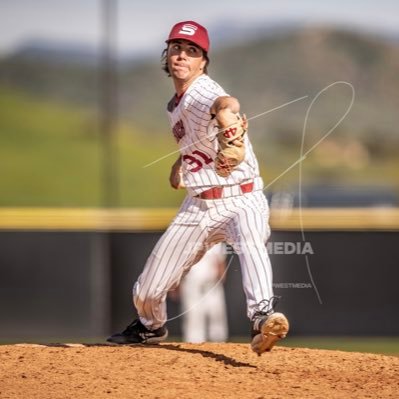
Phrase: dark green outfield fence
[71,276]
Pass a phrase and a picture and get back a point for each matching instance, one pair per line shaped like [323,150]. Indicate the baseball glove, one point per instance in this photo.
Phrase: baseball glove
[232,128]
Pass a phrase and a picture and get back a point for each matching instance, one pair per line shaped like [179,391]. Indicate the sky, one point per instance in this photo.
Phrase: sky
[144,25]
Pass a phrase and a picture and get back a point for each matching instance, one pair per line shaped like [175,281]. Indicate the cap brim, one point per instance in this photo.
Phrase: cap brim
[187,40]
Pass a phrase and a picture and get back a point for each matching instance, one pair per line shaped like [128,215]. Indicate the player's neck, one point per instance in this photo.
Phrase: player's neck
[181,86]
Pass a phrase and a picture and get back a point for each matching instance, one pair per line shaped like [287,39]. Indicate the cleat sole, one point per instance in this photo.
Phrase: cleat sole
[274,328]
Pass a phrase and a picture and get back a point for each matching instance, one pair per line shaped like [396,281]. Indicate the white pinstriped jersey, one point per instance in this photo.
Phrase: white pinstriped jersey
[195,132]
[240,219]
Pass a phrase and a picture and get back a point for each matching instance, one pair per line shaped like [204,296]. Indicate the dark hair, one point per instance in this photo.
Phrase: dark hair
[164,61]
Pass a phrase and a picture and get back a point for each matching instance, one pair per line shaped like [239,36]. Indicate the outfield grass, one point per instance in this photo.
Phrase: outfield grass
[382,345]
[379,345]
[51,155]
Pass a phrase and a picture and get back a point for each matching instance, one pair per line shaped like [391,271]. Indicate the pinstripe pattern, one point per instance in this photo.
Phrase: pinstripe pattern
[193,111]
[239,219]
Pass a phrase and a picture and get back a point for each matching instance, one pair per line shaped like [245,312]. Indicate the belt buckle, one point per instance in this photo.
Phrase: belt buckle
[217,191]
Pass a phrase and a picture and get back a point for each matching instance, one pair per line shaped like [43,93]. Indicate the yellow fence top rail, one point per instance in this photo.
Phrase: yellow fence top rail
[157,219]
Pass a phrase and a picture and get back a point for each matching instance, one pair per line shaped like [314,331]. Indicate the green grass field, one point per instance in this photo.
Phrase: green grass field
[382,345]
[51,155]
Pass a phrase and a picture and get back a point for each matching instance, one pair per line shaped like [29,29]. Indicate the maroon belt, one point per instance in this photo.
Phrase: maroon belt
[217,192]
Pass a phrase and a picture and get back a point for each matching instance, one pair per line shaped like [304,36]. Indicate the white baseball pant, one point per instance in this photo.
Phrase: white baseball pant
[241,221]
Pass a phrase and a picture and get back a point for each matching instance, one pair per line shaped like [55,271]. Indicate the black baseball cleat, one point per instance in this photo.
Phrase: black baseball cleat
[137,333]
[268,327]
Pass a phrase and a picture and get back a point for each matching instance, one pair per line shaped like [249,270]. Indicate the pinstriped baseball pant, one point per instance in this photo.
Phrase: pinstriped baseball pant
[241,221]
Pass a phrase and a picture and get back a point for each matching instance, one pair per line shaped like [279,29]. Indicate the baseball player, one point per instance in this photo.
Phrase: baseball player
[224,202]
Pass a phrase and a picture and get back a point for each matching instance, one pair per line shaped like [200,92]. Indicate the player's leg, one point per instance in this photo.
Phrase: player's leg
[251,231]
[180,247]
[248,235]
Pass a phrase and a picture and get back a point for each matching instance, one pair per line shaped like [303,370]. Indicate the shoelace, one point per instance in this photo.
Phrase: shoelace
[267,306]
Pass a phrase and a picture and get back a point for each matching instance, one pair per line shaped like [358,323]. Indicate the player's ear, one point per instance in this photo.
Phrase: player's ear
[203,63]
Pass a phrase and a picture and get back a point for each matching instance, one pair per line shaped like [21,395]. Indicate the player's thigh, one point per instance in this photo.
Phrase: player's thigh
[249,224]
[177,250]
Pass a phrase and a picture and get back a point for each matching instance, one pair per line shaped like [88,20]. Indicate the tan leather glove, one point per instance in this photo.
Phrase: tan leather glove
[232,128]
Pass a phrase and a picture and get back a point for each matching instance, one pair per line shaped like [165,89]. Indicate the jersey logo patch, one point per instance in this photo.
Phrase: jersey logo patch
[188,29]
[178,130]
[230,132]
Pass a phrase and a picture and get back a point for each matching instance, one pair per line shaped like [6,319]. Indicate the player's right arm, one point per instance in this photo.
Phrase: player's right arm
[176,177]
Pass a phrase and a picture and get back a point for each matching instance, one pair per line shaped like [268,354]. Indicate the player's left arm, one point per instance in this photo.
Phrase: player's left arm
[232,127]
[225,102]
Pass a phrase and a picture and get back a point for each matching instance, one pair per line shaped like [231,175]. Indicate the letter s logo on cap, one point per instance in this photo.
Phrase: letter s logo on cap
[188,29]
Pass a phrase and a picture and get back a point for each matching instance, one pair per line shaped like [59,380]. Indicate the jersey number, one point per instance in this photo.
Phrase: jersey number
[198,161]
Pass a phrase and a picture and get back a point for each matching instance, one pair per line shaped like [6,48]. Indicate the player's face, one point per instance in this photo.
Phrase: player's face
[185,60]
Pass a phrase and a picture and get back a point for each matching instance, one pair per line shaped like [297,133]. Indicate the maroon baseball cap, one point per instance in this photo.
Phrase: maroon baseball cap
[192,31]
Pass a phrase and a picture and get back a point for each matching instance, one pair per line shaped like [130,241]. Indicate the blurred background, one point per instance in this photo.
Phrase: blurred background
[82,111]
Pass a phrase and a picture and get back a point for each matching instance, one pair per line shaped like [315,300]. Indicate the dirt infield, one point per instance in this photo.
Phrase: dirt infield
[179,370]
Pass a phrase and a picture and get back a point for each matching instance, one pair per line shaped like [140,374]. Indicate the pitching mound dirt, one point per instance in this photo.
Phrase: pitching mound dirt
[173,370]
